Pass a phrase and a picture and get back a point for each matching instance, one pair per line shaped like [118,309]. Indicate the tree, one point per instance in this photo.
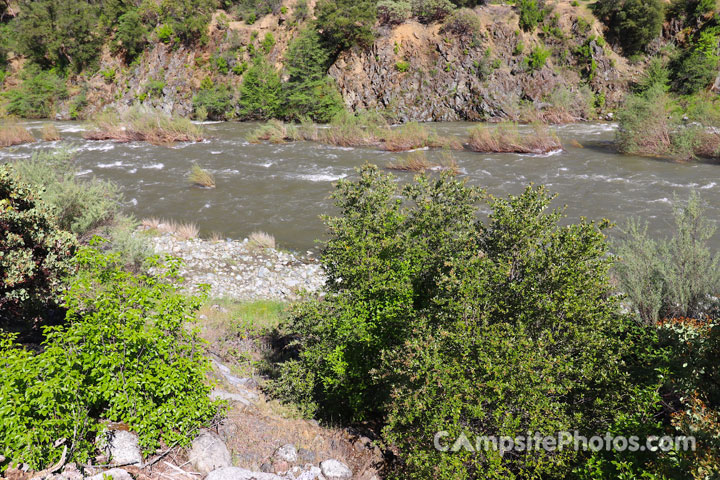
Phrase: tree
[59,33]
[260,92]
[309,91]
[344,23]
[436,321]
[632,23]
[131,34]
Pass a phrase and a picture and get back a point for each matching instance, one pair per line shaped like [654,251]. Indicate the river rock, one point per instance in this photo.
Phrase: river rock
[237,473]
[287,453]
[208,453]
[335,469]
[123,448]
[114,474]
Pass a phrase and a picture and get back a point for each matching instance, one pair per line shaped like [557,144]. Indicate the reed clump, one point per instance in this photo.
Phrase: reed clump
[261,240]
[50,133]
[144,125]
[412,136]
[201,177]
[506,138]
[12,133]
[419,162]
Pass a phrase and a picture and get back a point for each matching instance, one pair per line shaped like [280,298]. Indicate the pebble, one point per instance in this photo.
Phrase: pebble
[235,269]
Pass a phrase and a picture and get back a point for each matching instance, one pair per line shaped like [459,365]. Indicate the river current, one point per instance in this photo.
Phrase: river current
[283,189]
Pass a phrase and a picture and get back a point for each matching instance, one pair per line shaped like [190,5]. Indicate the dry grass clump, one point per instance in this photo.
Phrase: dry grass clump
[506,138]
[144,125]
[708,144]
[186,231]
[50,133]
[418,162]
[201,177]
[412,136]
[274,131]
[348,130]
[11,133]
[152,223]
[262,240]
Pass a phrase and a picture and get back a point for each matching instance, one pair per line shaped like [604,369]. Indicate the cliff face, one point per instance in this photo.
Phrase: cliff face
[422,73]
[418,72]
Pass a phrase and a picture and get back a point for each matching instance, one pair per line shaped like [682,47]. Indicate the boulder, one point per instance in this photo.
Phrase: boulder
[335,469]
[115,474]
[123,448]
[208,452]
[287,453]
[236,473]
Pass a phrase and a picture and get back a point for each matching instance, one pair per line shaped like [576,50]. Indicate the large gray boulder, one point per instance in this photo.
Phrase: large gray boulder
[287,453]
[208,452]
[335,469]
[236,473]
[123,448]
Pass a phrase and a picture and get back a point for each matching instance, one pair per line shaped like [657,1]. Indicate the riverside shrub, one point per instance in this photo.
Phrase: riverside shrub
[34,252]
[127,353]
[435,320]
[632,23]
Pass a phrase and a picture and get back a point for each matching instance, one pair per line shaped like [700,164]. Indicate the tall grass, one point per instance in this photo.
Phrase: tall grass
[507,138]
[261,240]
[418,162]
[141,124]
[201,177]
[12,133]
[50,133]
[412,136]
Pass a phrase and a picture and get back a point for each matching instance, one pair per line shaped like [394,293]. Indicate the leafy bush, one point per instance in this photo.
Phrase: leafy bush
[531,13]
[632,23]
[402,66]
[392,12]
[37,95]
[268,42]
[537,58]
[34,252]
[695,67]
[218,102]
[187,20]
[436,321]
[645,125]
[126,354]
[429,11]
[463,22]
[260,92]
[672,278]
[345,23]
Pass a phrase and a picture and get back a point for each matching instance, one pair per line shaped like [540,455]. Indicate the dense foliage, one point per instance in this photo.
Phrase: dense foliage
[34,253]
[632,23]
[436,321]
[126,354]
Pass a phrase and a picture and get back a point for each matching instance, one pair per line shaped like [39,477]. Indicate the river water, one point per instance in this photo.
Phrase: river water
[283,189]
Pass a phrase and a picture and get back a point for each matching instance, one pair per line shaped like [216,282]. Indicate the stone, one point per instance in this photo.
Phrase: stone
[237,473]
[123,448]
[287,453]
[208,452]
[306,455]
[335,469]
[115,474]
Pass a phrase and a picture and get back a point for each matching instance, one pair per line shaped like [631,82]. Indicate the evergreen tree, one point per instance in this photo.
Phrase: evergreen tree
[260,92]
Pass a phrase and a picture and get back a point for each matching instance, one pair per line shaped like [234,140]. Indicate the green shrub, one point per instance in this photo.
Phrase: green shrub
[268,42]
[694,68]
[187,20]
[402,66]
[429,11]
[531,13]
[434,320]
[392,12]
[34,253]
[37,95]
[218,102]
[674,277]
[463,22]
[645,123]
[537,58]
[126,354]
[631,23]
[154,88]
[301,12]
[260,92]
[165,33]
[345,23]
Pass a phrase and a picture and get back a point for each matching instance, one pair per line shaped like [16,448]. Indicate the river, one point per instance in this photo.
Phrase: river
[283,189]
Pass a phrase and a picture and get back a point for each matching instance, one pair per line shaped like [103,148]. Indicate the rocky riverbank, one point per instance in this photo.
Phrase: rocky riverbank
[242,270]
